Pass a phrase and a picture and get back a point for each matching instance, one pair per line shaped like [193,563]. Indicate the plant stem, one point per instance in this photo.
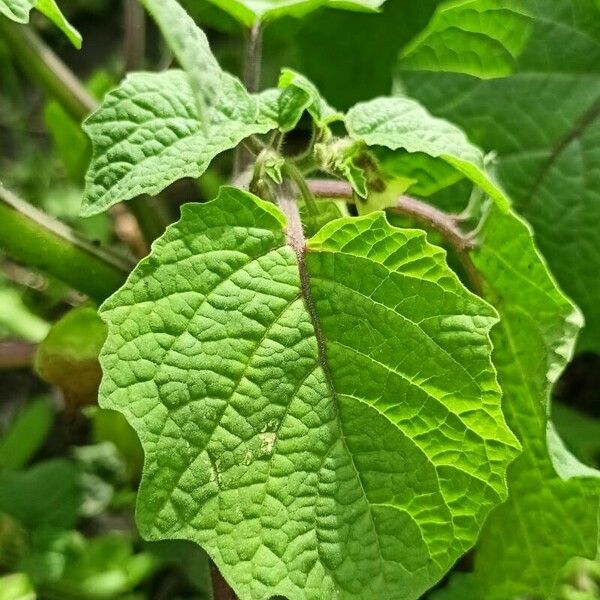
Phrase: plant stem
[429,216]
[43,66]
[47,69]
[33,238]
[253,58]
[16,354]
[221,589]
[251,78]
[134,42]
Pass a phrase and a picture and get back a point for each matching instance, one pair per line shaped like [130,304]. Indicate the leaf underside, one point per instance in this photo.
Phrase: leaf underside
[250,12]
[323,420]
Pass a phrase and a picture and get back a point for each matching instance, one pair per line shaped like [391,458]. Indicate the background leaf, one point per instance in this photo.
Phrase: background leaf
[546,520]
[544,123]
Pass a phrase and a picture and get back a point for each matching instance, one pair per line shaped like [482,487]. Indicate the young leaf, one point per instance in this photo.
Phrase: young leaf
[18,10]
[147,134]
[550,166]
[546,520]
[313,426]
[284,107]
[403,123]
[190,47]
[250,12]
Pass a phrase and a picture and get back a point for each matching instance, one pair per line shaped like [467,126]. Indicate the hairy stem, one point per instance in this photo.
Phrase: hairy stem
[253,58]
[44,67]
[251,78]
[29,236]
[425,214]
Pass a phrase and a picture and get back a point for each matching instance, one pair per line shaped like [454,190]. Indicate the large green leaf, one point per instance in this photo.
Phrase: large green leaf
[547,520]
[147,134]
[402,123]
[250,12]
[323,419]
[544,123]
[18,10]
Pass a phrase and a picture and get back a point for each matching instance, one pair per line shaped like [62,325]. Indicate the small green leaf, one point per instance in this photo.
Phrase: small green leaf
[283,108]
[26,434]
[318,431]
[18,10]
[250,12]
[403,123]
[45,497]
[547,519]
[147,134]
[299,94]
[190,47]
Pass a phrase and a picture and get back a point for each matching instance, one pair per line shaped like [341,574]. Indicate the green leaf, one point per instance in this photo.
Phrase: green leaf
[147,134]
[51,10]
[26,434]
[250,12]
[45,497]
[318,431]
[283,108]
[403,123]
[18,10]
[190,47]
[548,164]
[299,94]
[481,38]
[105,567]
[546,520]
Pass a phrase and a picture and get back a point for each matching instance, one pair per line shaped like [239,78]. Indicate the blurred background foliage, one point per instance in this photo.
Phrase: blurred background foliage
[68,470]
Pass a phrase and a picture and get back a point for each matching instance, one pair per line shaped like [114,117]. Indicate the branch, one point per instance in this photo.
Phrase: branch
[16,354]
[425,214]
[31,237]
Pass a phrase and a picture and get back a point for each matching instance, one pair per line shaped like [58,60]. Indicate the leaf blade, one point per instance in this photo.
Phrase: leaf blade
[402,123]
[271,393]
